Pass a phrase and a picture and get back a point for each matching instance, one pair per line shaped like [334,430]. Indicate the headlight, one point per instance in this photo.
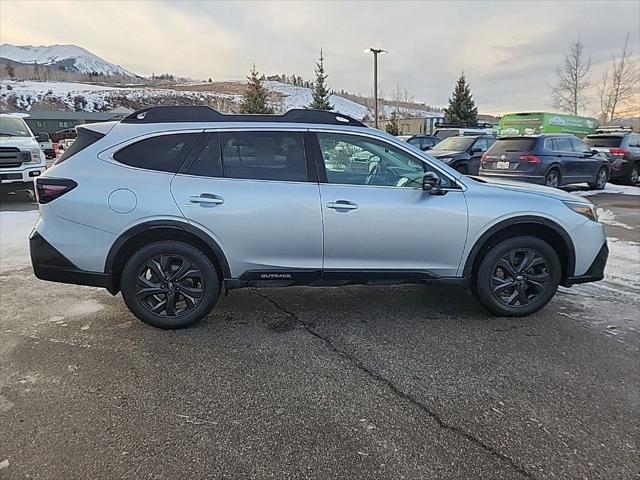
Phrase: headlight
[35,155]
[585,209]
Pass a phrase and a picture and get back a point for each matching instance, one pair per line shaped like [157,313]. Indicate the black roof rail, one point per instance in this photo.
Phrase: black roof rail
[202,113]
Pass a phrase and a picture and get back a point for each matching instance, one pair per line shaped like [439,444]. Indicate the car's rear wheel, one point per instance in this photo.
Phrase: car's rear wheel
[170,284]
[601,179]
[634,173]
[518,276]
[552,179]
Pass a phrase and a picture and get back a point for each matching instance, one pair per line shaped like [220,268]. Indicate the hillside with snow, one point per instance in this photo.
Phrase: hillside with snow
[72,58]
[223,96]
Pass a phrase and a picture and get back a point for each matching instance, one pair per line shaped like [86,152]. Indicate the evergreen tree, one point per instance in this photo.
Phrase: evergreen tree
[10,71]
[321,93]
[255,99]
[392,125]
[462,108]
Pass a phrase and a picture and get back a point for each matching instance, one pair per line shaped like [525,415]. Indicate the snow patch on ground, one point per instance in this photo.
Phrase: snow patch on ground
[611,188]
[623,266]
[14,238]
[608,217]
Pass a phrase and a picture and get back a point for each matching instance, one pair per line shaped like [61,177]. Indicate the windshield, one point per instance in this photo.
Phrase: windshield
[13,127]
[454,144]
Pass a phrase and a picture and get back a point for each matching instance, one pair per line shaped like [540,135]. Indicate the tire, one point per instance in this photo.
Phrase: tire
[463,169]
[601,179]
[634,173]
[553,179]
[170,284]
[512,293]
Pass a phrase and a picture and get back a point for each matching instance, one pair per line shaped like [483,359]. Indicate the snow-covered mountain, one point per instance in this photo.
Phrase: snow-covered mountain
[73,58]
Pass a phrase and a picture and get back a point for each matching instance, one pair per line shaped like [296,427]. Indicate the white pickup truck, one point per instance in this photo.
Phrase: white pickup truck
[21,158]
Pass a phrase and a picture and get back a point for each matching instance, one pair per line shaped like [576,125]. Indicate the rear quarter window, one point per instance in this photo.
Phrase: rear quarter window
[85,138]
[513,145]
[164,153]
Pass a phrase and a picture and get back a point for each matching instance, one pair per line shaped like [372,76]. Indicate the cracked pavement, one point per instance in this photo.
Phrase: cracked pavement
[354,382]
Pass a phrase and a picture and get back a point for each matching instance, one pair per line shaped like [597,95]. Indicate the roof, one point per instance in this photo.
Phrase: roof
[68,115]
[121,111]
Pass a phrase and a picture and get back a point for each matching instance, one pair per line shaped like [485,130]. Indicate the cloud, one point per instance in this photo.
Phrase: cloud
[508,50]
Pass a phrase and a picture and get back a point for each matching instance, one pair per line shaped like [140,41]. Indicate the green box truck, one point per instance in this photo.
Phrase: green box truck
[532,123]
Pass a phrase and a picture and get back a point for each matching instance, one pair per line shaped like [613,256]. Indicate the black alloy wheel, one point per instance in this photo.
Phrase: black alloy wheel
[519,277]
[170,285]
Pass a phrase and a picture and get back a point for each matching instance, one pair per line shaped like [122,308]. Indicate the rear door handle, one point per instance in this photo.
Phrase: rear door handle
[206,199]
[342,205]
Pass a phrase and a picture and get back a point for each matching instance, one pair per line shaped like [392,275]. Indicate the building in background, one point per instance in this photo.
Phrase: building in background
[58,124]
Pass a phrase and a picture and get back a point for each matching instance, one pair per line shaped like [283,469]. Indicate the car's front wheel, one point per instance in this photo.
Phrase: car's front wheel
[170,284]
[518,276]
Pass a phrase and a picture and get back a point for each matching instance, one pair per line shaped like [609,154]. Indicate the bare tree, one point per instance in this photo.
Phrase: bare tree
[572,79]
[619,87]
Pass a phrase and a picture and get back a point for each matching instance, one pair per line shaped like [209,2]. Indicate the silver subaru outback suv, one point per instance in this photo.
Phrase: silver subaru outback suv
[174,205]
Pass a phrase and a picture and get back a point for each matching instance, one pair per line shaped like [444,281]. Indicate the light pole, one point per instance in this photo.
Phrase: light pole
[376,52]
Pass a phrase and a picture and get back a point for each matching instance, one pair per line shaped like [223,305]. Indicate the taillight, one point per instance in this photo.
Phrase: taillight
[618,151]
[530,158]
[485,158]
[48,189]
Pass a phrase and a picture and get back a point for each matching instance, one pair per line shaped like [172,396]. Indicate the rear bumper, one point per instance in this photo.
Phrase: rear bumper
[595,271]
[518,177]
[49,264]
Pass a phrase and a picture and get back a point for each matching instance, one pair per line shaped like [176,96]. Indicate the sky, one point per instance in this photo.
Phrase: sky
[508,50]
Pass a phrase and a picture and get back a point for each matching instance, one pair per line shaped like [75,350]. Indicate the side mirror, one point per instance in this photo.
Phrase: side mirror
[475,150]
[431,184]
[594,152]
[43,137]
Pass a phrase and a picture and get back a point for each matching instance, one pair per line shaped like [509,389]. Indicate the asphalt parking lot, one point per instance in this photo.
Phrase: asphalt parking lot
[355,382]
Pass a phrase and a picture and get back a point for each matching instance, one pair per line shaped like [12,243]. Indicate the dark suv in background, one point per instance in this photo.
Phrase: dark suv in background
[463,152]
[551,160]
[622,149]
[423,142]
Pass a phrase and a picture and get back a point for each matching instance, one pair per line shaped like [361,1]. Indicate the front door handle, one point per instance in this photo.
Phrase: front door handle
[342,205]
[206,199]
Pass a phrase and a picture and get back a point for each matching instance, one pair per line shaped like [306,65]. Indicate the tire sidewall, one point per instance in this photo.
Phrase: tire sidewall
[482,280]
[210,275]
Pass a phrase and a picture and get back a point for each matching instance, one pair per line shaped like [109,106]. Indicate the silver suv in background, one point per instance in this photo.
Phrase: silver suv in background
[21,158]
[174,205]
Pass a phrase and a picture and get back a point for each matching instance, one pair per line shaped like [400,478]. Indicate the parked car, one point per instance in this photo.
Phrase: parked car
[463,153]
[622,149]
[21,158]
[447,132]
[174,205]
[552,160]
[423,142]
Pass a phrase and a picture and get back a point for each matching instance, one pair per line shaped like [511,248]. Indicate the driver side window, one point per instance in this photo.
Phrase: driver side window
[356,160]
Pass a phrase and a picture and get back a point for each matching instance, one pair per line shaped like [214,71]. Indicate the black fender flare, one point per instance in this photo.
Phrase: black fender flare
[167,224]
[510,222]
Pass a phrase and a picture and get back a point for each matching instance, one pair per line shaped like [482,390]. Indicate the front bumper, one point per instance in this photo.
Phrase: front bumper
[596,270]
[21,175]
[518,177]
[49,264]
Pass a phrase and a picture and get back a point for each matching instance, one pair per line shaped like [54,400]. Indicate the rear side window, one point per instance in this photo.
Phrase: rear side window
[513,145]
[563,144]
[603,141]
[208,162]
[164,153]
[85,138]
[264,156]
